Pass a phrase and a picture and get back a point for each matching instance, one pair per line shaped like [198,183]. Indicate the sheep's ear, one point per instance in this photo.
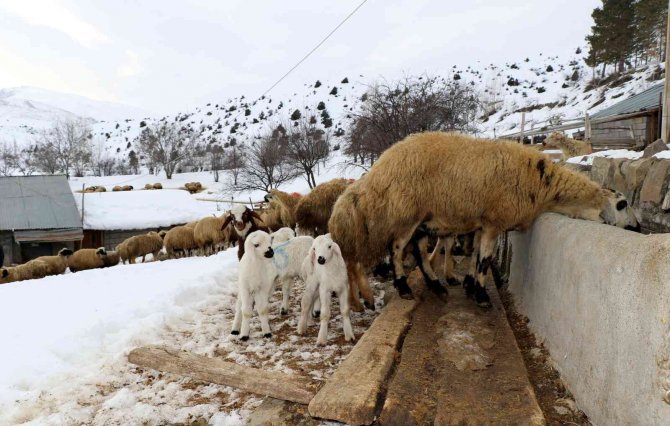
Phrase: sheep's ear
[312,257]
[336,249]
[226,222]
[5,273]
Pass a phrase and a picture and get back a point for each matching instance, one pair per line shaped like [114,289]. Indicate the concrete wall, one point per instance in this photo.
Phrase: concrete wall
[599,297]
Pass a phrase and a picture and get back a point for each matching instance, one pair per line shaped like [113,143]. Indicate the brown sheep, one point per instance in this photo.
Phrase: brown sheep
[179,242]
[100,189]
[87,259]
[283,206]
[210,234]
[117,188]
[314,209]
[568,146]
[158,186]
[455,184]
[122,250]
[193,187]
[16,273]
[148,186]
[127,188]
[90,189]
[141,245]
[56,264]
[112,258]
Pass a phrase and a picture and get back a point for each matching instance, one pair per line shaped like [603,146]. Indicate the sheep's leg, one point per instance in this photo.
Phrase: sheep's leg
[484,262]
[316,310]
[262,298]
[346,320]
[449,261]
[237,321]
[354,300]
[469,280]
[364,288]
[399,276]
[324,294]
[420,252]
[246,304]
[311,287]
[441,241]
[285,293]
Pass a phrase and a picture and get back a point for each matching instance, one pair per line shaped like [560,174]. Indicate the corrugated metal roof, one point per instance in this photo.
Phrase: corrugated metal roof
[640,102]
[37,202]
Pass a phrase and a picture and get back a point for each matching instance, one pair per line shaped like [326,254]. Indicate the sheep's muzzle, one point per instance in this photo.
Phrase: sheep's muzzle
[321,260]
[269,253]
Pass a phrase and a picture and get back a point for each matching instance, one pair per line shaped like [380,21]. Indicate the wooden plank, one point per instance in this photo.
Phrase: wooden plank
[351,395]
[267,383]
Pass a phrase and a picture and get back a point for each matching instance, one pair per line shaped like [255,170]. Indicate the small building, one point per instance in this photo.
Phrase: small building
[38,217]
[633,122]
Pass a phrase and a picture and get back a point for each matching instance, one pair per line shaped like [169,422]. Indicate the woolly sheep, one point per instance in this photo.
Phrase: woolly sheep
[244,222]
[287,261]
[283,205]
[179,242]
[141,245]
[127,188]
[56,264]
[568,146]
[122,250]
[117,188]
[158,186]
[100,189]
[256,280]
[314,209]
[325,272]
[84,259]
[455,184]
[148,186]
[111,258]
[210,235]
[282,235]
[23,272]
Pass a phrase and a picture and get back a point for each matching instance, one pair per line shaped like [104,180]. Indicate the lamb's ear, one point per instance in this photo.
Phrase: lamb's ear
[336,249]
[312,257]
[227,221]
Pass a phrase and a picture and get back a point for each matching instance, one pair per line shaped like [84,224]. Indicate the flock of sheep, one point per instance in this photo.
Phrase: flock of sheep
[422,193]
[191,187]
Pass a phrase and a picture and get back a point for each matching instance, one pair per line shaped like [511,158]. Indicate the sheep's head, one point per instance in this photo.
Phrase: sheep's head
[618,212]
[554,139]
[162,234]
[282,235]
[65,252]
[260,244]
[324,249]
[101,252]
[243,217]
[4,273]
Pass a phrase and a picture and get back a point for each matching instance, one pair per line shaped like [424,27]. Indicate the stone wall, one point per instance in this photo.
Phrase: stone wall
[646,185]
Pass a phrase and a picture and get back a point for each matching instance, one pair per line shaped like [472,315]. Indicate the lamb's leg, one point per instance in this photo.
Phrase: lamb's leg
[469,280]
[285,293]
[354,300]
[311,287]
[420,251]
[246,304]
[484,262]
[346,320]
[262,298]
[238,317]
[399,276]
[324,294]
[316,310]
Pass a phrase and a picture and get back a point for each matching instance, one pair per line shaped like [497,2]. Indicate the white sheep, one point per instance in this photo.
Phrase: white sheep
[256,279]
[324,272]
[282,235]
[287,261]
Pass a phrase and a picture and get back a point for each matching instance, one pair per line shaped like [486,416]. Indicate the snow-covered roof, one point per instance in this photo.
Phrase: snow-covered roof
[141,209]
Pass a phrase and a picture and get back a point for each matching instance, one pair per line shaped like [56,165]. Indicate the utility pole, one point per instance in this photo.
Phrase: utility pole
[666,87]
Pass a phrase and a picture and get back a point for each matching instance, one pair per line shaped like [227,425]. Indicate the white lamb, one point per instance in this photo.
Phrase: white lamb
[324,272]
[282,235]
[256,279]
[287,260]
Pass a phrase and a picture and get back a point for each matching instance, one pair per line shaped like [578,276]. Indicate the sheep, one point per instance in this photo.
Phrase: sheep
[193,187]
[87,259]
[244,223]
[287,260]
[325,272]
[454,184]
[568,146]
[256,279]
[56,264]
[282,235]
[158,186]
[127,188]
[100,189]
[141,245]
[179,242]
[148,186]
[90,189]
[210,234]
[22,272]
[284,206]
[111,258]
[117,188]
[122,250]
[314,209]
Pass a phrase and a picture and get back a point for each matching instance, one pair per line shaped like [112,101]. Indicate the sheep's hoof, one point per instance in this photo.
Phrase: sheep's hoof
[370,306]
[283,311]
[244,338]
[316,314]
[404,291]
[453,282]
[482,298]
[235,332]
[438,290]
[267,335]
[469,285]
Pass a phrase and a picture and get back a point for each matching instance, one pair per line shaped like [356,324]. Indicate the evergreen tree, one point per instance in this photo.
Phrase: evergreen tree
[650,28]
[296,115]
[611,40]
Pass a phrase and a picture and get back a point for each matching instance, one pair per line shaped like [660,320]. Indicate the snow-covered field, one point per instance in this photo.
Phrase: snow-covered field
[66,338]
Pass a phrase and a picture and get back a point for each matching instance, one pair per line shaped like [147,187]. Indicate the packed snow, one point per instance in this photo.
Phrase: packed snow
[68,364]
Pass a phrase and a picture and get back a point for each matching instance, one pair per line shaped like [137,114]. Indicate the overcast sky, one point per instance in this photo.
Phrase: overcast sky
[171,55]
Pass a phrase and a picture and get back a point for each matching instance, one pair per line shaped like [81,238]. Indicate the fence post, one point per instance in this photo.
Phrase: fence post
[666,87]
[523,124]
[587,127]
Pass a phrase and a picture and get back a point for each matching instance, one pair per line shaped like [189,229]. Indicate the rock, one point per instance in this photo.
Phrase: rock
[654,184]
[636,172]
[654,148]
[616,179]
[600,170]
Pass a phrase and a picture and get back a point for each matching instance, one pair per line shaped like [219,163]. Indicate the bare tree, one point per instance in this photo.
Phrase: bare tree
[216,157]
[234,162]
[306,145]
[165,144]
[7,160]
[267,166]
[392,111]
[101,161]
[25,162]
[65,147]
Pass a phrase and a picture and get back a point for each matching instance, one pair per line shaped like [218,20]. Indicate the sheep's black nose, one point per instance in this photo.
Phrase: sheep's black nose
[269,253]
[321,260]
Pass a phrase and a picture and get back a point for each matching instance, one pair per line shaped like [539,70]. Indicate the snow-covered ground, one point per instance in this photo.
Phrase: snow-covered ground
[587,160]
[65,341]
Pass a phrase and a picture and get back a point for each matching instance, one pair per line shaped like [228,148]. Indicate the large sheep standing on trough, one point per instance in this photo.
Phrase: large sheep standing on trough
[245,221]
[313,210]
[281,212]
[454,184]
